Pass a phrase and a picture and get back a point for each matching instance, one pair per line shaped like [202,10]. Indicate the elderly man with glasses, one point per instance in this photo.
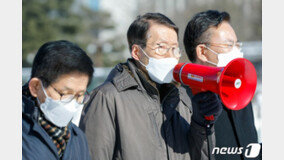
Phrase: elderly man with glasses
[52,103]
[139,112]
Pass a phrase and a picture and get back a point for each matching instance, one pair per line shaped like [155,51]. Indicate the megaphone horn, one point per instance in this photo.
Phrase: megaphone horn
[235,83]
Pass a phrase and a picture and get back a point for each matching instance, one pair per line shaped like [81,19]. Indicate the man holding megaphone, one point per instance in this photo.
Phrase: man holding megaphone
[210,41]
[139,112]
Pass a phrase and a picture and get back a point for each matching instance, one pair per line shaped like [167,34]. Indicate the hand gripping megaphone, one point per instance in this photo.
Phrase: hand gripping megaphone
[235,83]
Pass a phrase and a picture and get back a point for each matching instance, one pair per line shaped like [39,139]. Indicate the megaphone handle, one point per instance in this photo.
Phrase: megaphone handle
[209,136]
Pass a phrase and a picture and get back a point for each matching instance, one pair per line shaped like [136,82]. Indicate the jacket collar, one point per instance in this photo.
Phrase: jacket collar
[29,107]
[127,75]
[121,77]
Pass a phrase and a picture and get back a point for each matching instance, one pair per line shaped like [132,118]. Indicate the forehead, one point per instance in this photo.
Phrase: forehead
[72,81]
[223,33]
[159,33]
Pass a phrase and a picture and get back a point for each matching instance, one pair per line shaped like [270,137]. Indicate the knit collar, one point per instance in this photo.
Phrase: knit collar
[59,135]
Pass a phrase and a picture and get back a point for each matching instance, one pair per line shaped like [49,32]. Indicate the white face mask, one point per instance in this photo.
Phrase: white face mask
[160,70]
[60,113]
[225,58]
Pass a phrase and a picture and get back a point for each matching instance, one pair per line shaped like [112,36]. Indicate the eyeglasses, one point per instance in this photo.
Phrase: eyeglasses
[226,45]
[163,49]
[81,99]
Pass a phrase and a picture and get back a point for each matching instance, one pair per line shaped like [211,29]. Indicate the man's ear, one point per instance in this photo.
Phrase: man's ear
[34,86]
[200,53]
[134,52]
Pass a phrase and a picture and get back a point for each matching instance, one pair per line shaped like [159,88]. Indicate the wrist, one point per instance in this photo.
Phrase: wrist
[203,129]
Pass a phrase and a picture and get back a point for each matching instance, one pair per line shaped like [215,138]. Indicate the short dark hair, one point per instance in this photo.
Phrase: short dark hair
[137,31]
[57,58]
[195,30]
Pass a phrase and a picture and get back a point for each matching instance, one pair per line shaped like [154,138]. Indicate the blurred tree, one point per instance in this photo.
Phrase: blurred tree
[41,23]
[49,20]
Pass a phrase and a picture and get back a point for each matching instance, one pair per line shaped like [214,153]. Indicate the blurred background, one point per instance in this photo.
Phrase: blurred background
[100,27]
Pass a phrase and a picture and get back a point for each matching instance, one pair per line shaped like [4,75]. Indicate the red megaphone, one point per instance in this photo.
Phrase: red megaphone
[235,83]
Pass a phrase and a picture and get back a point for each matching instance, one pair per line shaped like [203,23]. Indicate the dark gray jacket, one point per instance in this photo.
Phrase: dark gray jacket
[128,118]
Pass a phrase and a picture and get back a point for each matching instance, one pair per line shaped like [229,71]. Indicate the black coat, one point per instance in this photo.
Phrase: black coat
[37,145]
[234,129]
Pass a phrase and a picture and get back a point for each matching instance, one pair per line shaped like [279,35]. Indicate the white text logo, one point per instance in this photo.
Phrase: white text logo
[250,151]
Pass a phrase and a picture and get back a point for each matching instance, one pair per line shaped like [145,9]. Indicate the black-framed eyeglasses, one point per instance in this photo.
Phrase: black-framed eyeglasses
[81,99]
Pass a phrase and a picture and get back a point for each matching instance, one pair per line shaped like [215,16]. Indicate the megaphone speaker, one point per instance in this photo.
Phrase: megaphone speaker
[235,83]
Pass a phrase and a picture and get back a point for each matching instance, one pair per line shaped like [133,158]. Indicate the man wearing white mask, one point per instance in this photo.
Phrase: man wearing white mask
[139,112]
[53,100]
[210,40]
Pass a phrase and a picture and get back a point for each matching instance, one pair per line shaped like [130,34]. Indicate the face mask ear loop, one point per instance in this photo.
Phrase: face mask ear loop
[211,63]
[38,102]
[144,52]
[212,52]
[142,63]
[145,55]
[43,92]
[43,89]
